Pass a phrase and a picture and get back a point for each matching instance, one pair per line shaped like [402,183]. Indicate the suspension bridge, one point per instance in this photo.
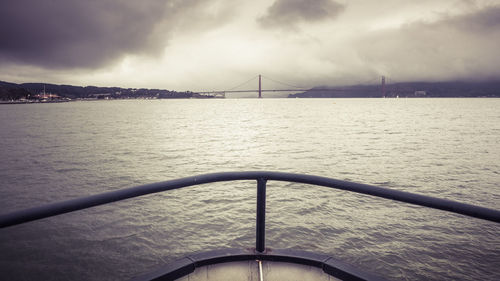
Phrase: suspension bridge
[287,88]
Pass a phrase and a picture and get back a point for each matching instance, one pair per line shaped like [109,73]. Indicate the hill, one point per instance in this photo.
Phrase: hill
[12,91]
[407,89]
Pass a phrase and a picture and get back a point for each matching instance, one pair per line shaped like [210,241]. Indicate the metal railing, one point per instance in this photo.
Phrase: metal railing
[58,208]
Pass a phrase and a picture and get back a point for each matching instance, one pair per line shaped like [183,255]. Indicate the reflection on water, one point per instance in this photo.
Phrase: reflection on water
[440,147]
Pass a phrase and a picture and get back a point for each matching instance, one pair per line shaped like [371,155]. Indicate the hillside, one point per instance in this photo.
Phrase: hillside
[408,89]
[12,91]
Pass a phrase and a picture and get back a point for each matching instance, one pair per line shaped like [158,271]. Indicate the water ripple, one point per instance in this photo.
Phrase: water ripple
[427,146]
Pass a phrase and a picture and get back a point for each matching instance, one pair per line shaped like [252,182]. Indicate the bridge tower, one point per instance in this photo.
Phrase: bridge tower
[260,88]
[383,86]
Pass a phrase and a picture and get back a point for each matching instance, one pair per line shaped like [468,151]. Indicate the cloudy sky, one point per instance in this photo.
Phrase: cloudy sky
[216,44]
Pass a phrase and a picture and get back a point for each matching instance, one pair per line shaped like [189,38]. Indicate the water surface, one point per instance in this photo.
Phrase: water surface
[447,148]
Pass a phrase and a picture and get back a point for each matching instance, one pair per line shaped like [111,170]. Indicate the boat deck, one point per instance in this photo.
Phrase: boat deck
[249,271]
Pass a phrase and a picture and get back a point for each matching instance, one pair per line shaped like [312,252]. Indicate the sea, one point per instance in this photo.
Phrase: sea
[446,148]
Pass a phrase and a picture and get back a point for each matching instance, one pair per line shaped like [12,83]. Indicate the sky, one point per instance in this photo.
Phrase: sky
[218,44]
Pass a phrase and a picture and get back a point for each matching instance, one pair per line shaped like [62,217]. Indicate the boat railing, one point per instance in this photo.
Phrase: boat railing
[262,177]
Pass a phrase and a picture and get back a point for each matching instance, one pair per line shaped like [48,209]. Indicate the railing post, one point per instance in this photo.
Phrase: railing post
[261,215]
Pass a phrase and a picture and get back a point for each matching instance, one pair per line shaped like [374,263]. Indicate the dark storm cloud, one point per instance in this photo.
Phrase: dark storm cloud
[289,13]
[455,47]
[82,34]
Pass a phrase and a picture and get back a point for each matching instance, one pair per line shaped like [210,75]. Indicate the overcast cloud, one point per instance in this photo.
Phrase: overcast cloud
[455,47]
[216,44]
[288,14]
[67,34]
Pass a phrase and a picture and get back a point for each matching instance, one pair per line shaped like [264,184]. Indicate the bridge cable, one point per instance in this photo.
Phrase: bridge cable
[368,82]
[242,83]
[283,83]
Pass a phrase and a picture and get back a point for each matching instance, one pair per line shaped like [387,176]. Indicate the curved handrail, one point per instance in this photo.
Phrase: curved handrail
[22,216]
[332,268]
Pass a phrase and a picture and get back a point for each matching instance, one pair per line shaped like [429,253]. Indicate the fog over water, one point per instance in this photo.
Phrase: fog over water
[448,148]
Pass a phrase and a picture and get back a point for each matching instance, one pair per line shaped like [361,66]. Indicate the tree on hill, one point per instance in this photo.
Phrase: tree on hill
[13,93]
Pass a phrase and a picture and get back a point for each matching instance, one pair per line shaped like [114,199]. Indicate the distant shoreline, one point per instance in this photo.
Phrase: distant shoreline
[98,100]
[25,93]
